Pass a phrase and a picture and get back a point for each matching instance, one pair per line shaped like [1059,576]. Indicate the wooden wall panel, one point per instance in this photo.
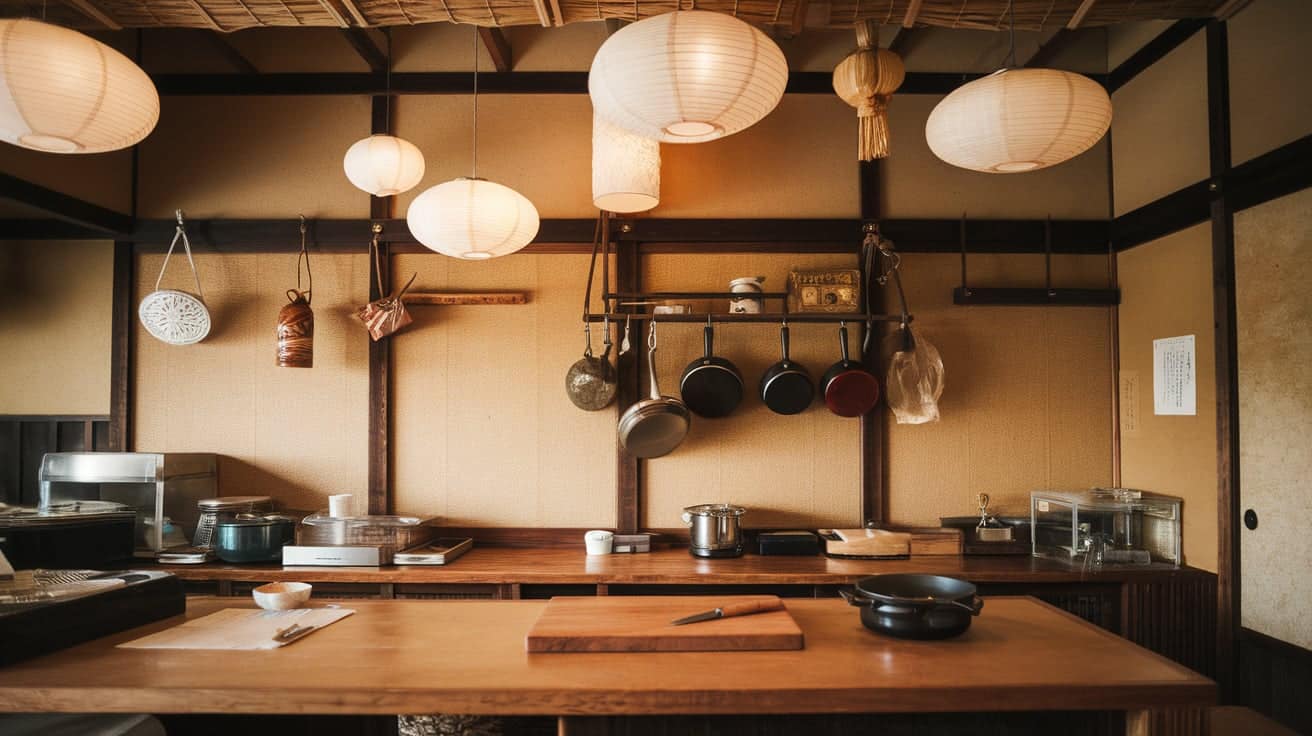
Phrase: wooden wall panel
[1166,292]
[1274,309]
[1270,99]
[1159,132]
[253,157]
[483,432]
[1027,394]
[294,433]
[55,326]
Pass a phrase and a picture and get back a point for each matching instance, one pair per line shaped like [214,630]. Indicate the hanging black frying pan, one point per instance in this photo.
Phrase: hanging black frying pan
[849,389]
[711,387]
[786,386]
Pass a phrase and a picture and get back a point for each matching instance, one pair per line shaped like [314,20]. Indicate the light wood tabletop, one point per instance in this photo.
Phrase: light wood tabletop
[469,657]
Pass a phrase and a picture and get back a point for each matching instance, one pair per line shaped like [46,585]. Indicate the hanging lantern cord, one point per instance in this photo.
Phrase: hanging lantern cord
[475,173]
[387,83]
[304,256]
[1011,34]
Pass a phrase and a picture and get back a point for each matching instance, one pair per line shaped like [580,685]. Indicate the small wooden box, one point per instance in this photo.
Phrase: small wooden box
[834,291]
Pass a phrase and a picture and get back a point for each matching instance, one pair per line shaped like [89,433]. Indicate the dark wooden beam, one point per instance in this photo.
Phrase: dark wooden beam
[1227,361]
[120,349]
[64,207]
[628,511]
[440,83]
[1035,297]
[380,352]
[874,504]
[497,47]
[230,54]
[1152,52]
[1052,48]
[904,39]
[1174,212]
[1272,175]
[46,229]
[366,48]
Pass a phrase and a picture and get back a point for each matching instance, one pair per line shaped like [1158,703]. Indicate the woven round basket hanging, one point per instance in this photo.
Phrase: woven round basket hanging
[172,316]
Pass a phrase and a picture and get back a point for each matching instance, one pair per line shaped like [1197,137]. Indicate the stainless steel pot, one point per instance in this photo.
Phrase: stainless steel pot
[252,538]
[715,530]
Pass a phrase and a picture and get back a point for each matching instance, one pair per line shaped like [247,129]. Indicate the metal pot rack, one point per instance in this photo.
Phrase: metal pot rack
[1049,296]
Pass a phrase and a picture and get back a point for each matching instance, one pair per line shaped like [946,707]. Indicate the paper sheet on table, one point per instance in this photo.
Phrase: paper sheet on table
[238,628]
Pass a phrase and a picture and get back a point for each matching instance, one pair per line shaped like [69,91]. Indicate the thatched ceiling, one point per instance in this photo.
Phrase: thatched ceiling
[233,15]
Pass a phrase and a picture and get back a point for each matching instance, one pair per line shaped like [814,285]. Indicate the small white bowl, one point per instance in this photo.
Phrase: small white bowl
[281,596]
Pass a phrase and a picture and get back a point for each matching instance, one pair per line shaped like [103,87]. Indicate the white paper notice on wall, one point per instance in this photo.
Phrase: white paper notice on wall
[1129,403]
[1175,378]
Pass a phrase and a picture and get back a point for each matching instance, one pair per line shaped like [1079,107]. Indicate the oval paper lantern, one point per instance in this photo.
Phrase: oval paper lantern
[1019,120]
[686,77]
[626,169]
[65,92]
[474,219]
[384,165]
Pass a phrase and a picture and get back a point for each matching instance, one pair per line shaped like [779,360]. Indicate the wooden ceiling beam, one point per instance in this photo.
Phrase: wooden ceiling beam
[544,15]
[230,54]
[336,14]
[209,19]
[913,12]
[558,18]
[497,47]
[366,48]
[799,17]
[1230,8]
[1080,12]
[903,39]
[85,7]
[354,10]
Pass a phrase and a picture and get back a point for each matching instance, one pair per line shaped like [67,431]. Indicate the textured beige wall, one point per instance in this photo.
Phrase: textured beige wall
[1166,291]
[55,326]
[294,433]
[253,157]
[100,178]
[1270,98]
[483,432]
[1026,403]
[1274,310]
[1125,39]
[1159,132]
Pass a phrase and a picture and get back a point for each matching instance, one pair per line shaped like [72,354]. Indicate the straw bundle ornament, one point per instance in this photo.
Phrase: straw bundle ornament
[865,80]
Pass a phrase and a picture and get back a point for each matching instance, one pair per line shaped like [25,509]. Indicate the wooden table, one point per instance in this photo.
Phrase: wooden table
[468,657]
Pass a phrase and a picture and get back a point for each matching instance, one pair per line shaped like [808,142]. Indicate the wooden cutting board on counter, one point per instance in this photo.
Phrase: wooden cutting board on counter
[642,624]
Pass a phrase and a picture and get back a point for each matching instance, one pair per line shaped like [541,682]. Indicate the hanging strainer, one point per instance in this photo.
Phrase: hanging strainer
[172,316]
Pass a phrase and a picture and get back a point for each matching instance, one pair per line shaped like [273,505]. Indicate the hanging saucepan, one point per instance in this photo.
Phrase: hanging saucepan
[786,386]
[915,606]
[654,426]
[849,389]
[711,387]
[591,381]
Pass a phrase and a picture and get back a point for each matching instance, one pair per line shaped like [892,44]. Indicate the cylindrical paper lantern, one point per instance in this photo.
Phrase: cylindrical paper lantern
[626,169]
[474,219]
[65,92]
[1018,120]
[686,77]
[384,165]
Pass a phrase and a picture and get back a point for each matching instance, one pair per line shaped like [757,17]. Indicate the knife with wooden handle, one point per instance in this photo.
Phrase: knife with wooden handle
[735,609]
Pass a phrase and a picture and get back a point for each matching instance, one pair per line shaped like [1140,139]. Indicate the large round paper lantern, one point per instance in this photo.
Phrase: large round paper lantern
[626,169]
[65,92]
[686,77]
[474,219]
[384,165]
[1018,120]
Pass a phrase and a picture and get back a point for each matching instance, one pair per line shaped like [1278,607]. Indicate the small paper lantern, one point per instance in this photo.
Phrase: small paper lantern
[65,92]
[865,79]
[1018,120]
[474,219]
[626,169]
[687,76]
[384,165]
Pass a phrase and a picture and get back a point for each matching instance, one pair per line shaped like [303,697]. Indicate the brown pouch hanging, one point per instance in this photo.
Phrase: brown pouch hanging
[383,317]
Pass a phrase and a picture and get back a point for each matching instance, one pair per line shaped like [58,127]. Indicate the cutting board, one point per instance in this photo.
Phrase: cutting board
[642,624]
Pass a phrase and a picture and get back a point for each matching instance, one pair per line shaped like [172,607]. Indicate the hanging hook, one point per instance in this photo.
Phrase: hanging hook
[178,214]
[302,227]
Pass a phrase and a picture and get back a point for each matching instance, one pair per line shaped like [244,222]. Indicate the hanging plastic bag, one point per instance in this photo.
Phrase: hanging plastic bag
[914,380]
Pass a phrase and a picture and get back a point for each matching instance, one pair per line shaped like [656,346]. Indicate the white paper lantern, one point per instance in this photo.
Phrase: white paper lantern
[384,165]
[626,169]
[1018,120]
[686,77]
[474,219]
[65,92]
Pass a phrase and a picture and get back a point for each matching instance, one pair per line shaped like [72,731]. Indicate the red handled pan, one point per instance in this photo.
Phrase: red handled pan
[849,389]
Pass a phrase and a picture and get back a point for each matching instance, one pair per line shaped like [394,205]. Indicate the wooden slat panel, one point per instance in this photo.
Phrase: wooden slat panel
[10,466]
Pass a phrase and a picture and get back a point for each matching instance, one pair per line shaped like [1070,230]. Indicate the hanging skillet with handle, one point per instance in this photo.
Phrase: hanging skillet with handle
[786,386]
[849,389]
[654,426]
[711,387]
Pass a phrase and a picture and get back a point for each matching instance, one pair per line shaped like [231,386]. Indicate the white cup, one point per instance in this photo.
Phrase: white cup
[599,542]
[341,505]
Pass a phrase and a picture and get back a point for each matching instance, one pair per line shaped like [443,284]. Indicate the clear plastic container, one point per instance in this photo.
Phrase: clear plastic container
[1106,526]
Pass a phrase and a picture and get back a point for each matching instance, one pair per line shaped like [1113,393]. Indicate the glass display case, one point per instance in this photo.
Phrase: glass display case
[1106,526]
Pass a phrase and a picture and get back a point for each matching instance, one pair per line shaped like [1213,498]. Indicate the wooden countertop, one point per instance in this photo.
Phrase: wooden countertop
[504,565]
[468,657]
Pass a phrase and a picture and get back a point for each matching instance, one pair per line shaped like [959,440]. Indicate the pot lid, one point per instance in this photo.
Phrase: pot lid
[715,509]
[232,502]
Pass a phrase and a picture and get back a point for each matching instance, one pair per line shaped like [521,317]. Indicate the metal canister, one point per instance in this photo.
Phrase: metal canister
[214,510]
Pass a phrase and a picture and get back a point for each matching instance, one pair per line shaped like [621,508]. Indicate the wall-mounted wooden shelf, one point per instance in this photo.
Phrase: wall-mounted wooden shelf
[436,299]
[854,318]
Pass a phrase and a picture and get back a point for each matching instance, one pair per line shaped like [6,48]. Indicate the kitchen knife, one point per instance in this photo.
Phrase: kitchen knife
[736,609]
